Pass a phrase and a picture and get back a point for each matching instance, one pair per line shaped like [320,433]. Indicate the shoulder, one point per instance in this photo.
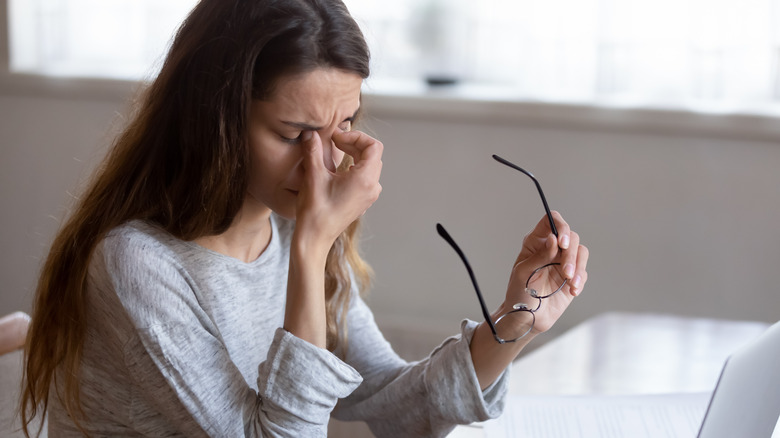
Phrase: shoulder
[143,268]
[137,255]
[137,243]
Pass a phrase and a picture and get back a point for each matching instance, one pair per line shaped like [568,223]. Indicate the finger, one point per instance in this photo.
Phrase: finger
[564,237]
[327,157]
[539,233]
[542,228]
[569,256]
[314,161]
[358,145]
[368,164]
[543,255]
[581,276]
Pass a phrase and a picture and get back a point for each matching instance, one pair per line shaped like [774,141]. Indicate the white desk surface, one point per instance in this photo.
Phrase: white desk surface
[629,353]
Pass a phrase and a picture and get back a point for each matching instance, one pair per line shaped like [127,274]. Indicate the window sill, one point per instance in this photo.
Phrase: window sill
[472,104]
[37,86]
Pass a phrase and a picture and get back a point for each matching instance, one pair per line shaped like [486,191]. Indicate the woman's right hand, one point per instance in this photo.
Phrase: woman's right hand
[329,201]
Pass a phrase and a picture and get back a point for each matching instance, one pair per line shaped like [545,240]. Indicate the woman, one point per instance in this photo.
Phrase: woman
[208,283]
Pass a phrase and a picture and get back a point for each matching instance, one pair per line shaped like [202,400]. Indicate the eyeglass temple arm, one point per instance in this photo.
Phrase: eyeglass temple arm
[538,187]
[446,236]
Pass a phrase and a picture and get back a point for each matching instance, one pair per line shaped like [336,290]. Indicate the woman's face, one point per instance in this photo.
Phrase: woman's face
[324,100]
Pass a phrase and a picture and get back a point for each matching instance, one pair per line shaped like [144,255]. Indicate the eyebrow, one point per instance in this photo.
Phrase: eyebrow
[307,127]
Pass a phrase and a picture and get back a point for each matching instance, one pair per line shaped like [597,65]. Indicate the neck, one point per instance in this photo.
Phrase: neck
[247,237]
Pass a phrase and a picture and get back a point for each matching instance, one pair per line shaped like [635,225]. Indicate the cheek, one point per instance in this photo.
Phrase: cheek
[257,165]
[278,169]
[271,164]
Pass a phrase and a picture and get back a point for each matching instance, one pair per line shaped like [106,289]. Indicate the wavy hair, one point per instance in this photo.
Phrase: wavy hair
[182,163]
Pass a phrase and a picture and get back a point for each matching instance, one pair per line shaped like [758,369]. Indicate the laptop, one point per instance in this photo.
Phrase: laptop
[746,400]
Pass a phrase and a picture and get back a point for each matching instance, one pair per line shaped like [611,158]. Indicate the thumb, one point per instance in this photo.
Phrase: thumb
[312,148]
[543,255]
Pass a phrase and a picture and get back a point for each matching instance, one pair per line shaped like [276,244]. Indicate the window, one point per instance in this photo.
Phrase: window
[121,39]
[718,54]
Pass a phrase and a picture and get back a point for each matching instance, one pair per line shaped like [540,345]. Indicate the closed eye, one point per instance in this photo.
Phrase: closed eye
[345,126]
[294,140]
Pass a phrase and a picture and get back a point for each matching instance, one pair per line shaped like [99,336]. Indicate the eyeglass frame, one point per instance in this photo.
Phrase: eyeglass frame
[518,307]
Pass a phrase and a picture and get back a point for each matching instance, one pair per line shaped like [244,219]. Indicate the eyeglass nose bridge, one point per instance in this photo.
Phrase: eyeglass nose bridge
[523,307]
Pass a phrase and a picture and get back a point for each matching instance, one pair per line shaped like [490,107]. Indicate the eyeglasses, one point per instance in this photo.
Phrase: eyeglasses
[543,282]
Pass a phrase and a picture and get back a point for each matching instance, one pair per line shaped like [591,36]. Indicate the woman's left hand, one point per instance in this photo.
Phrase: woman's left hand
[540,248]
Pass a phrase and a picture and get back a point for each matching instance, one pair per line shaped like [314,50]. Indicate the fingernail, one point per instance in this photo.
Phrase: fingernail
[568,270]
[307,135]
[565,241]
[577,281]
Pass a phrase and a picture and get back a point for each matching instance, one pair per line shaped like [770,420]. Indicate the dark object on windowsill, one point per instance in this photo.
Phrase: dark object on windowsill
[439,81]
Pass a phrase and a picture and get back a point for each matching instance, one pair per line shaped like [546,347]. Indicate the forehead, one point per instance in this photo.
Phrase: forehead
[317,96]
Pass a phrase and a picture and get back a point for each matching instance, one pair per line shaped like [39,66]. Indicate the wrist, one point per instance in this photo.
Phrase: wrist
[309,246]
[305,311]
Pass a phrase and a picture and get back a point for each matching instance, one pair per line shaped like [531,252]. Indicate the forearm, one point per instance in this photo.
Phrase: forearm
[491,358]
[305,309]
[441,386]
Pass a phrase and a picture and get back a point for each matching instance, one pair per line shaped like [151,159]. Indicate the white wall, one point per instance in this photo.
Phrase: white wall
[680,223]
[675,223]
[48,146]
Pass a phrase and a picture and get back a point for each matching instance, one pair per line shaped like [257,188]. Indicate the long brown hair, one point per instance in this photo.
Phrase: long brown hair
[182,163]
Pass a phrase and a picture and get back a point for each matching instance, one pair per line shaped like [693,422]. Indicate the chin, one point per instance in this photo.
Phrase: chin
[284,206]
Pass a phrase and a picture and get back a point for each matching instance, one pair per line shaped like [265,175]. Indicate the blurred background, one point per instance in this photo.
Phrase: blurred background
[651,125]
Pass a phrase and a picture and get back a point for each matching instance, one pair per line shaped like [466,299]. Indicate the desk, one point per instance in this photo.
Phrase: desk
[629,353]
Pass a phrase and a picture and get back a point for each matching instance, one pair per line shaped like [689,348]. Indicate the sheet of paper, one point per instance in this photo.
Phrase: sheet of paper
[608,416]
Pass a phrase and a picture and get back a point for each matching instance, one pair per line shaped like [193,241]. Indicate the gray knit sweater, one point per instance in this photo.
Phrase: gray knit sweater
[184,341]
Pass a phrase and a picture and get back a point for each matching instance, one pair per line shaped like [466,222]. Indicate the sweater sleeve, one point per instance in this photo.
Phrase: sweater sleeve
[299,385]
[419,399]
[182,374]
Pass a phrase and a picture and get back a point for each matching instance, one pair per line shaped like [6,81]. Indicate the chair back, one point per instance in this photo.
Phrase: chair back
[13,332]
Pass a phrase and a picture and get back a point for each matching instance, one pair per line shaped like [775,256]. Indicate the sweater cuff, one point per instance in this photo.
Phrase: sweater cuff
[301,382]
[454,363]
